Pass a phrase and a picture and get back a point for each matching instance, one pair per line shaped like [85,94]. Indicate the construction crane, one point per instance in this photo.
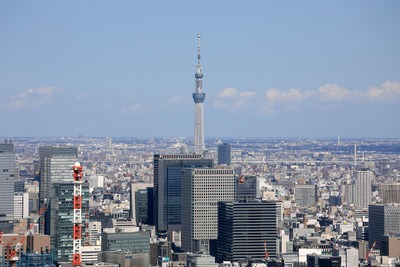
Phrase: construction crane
[13,253]
[265,250]
[77,219]
[370,251]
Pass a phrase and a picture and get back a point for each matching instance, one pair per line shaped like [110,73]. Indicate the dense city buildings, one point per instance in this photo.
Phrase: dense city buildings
[120,192]
[167,187]
[7,178]
[202,189]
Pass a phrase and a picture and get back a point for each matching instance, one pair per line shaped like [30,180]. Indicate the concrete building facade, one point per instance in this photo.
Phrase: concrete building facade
[202,189]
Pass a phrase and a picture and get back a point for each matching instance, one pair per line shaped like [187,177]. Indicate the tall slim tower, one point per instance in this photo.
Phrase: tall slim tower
[198,97]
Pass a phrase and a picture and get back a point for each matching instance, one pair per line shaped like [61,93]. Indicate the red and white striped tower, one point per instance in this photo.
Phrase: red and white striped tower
[77,220]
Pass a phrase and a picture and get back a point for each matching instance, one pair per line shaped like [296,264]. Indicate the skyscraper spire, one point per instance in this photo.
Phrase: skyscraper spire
[198,97]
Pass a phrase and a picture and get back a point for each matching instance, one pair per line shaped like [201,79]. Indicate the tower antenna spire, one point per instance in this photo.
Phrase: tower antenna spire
[198,48]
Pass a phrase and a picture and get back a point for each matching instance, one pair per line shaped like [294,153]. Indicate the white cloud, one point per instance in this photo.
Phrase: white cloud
[293,95]
[228,93]
[387,91]
[175,104]
[234,100]
[32,98]
[333,92]
[137,108]
[176,100]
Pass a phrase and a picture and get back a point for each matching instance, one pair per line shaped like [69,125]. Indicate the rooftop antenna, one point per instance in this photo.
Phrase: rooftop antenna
[355,154]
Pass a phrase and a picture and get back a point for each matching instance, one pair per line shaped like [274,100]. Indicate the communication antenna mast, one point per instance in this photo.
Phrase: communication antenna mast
[77,219]
[355,154]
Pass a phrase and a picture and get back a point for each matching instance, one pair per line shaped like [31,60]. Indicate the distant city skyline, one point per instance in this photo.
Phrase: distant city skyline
[271,69]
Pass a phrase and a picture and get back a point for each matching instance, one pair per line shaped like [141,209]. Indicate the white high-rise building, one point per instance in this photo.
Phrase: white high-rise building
[108,143]
[363,192]
[202,188]
[21,205]
[198,97]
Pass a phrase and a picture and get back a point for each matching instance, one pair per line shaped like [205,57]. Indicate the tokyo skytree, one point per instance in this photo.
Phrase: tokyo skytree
[198,97]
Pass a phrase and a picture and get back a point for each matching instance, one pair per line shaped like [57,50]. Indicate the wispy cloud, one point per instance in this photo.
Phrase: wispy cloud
[233,100]
[388,91]
[175,104]
[81,96]
[333,92]
[32,98]
[293,95]
[136,105]
[228,93]
[327,95]
[288,99]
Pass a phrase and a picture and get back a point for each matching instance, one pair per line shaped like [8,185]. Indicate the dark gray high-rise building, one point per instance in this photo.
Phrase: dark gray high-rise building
[167,187]
[7,177]
[246,188]
[314,260]
[224,154]
[135,242]
[306,195]
[142,207]
[383,220]
[244,228]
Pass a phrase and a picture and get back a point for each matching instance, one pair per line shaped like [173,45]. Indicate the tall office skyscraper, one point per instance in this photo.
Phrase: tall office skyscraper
[224,154]
[202,189]
[363,192]
[55,166]
[198,97]
[383,220]
[7,177]
[167,187]
[243,227]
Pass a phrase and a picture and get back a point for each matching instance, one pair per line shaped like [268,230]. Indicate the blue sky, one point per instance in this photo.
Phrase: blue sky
[271,68]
